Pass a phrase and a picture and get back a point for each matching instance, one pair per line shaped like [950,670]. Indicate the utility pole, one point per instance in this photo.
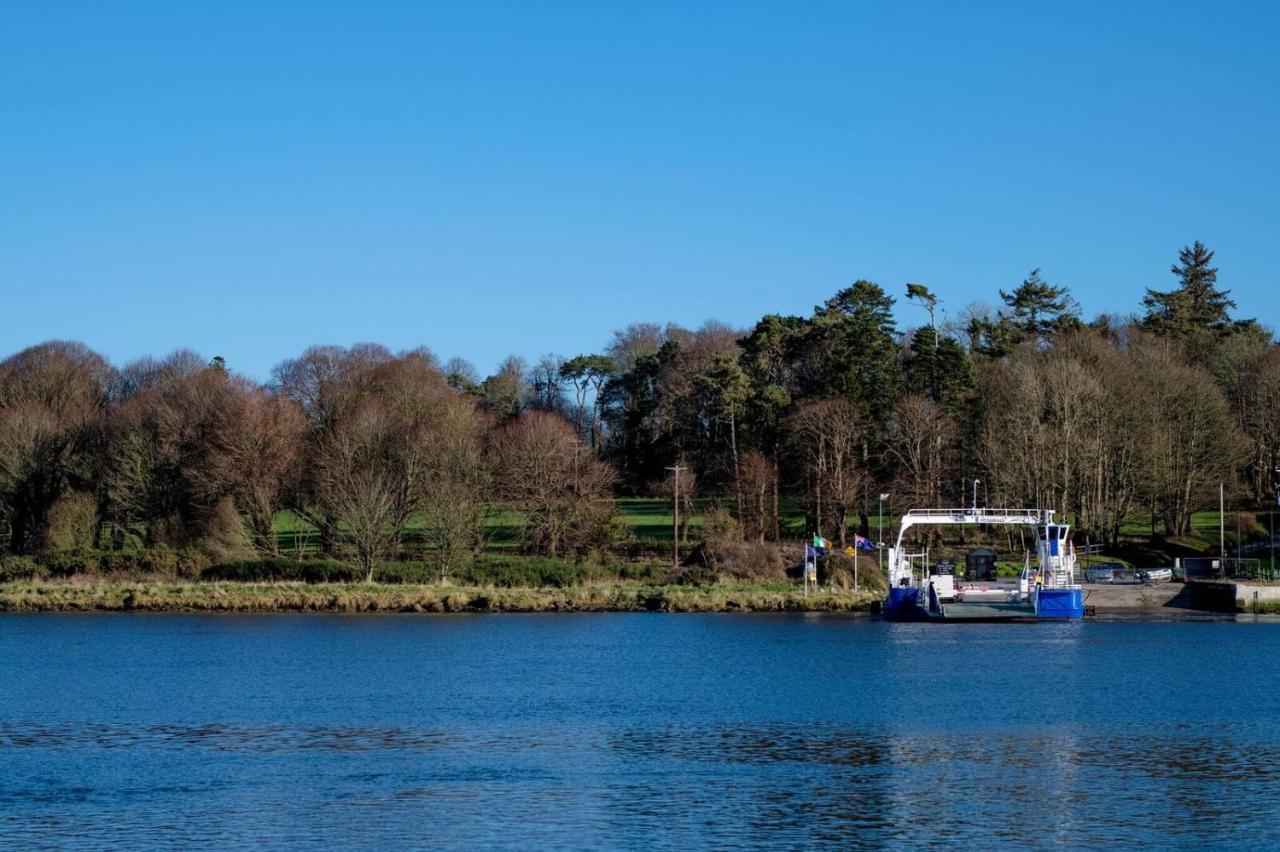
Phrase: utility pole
[675,517]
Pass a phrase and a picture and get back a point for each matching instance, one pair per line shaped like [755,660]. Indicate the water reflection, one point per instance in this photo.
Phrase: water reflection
[1025,786]
[725,784]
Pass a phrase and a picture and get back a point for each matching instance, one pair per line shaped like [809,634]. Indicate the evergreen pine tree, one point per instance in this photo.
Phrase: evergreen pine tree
[1196,305]
[1039,307]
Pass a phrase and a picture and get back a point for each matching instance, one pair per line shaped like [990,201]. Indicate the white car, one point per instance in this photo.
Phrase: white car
[1103,573]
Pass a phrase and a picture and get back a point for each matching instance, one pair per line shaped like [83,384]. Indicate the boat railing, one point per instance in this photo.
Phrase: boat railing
[972,515]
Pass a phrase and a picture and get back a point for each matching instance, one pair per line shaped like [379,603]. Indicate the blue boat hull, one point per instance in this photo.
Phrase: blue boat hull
[902,604]
[1059,604]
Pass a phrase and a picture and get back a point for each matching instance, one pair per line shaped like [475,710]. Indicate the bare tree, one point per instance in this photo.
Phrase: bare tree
[546,471]
[362,483]
[261,457]
[757,478]
[457,486]
[921,439]
[1189,442]
[179,458]
[546,385]
[51,398]
[506,392]
[634,342]
[1058,430]
[462,375]
[826,438]
[1105,446]
[1262,421]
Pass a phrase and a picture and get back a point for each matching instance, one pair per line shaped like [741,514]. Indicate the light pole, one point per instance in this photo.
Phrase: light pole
[1222,524]
[976,482]
[880,537]
[1276,482]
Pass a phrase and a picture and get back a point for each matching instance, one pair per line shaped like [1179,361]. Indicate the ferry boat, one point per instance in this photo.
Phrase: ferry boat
[1045,591]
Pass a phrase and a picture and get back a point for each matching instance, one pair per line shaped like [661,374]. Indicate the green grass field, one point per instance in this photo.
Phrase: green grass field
[648,522]
[647,519]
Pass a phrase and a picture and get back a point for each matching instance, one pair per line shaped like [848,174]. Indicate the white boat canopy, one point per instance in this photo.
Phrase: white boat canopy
[899,562]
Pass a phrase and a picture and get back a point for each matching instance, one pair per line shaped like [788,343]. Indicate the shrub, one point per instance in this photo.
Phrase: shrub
[744,560]
[837,571]
[754,561]
[226,538]
[645,572]
[284,570]
[71,563]
[72,522]
[725,553]
[156,561]
[170,531]
[531,571]
[719,525]
[406,572]
[1250,527]
[20,568]
[697,574]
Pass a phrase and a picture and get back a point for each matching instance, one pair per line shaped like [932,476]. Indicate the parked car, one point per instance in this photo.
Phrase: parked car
[1156,575]
[1103,572]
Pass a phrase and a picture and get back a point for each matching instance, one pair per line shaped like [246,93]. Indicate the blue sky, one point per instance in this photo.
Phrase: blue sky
[247,179]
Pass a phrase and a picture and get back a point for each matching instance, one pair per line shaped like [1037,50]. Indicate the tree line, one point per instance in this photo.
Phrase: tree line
[1098,419]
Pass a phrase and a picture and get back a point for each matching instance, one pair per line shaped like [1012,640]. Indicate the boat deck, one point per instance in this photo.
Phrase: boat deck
[985,611]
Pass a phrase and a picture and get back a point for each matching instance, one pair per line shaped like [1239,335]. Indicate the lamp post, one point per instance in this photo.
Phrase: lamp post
[880,536]
[1276,481]
[1222,524]
[976,482]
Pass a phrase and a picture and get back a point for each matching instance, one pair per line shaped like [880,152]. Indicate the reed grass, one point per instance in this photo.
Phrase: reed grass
[65,596]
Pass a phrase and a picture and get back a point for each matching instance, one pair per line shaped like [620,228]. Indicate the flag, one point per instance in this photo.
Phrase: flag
[820,543]
[863,543]
[810,551]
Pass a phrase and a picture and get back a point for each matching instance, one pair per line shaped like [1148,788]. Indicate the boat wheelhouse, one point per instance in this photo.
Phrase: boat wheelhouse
[935,591]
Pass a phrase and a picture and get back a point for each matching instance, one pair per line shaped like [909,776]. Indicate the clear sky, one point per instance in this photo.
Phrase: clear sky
[249,178]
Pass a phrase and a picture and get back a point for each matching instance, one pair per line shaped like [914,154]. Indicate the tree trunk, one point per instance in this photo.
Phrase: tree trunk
[777,513]
[737,474]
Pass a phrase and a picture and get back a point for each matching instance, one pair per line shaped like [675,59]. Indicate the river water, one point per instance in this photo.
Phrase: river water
[636,730]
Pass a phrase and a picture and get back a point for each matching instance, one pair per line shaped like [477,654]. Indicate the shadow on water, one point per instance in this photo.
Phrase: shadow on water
[215,737]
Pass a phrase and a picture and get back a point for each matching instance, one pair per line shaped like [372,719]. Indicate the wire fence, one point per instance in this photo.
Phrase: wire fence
[1230,568]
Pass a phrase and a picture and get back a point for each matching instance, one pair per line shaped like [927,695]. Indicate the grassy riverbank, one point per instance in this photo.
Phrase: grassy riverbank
[52,596]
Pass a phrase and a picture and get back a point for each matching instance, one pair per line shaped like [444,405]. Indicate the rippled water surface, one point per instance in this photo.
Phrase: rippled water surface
[640,730]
